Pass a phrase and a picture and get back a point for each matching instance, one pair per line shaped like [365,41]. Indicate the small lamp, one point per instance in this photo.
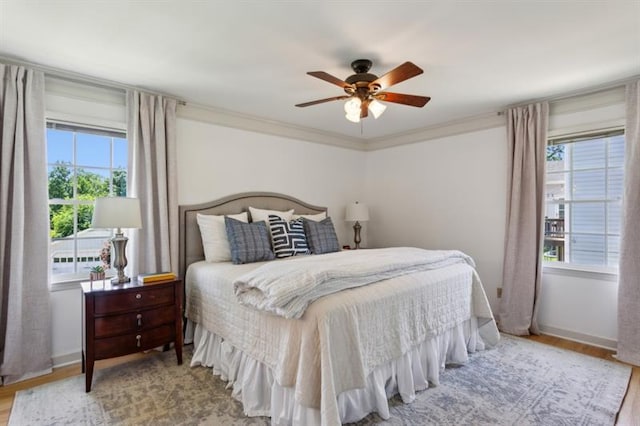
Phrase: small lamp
[357,212]
[117,212]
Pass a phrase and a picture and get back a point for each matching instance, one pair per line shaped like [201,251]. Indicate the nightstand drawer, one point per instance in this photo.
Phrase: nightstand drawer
[134,342]
[134,321]
[127,301]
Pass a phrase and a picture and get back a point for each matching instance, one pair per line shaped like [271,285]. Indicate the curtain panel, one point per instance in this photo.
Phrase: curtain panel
[629,273]
[527,141]
[25,312]
[153,179]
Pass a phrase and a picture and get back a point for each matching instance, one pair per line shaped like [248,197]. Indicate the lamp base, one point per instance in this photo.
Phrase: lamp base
[120,260]
[356,234]
[117,281]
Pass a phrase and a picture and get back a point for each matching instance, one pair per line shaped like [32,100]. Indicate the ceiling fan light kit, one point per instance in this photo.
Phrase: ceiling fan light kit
[365,91]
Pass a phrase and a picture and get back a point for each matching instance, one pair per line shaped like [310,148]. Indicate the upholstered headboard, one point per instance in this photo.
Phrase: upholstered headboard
[190,241]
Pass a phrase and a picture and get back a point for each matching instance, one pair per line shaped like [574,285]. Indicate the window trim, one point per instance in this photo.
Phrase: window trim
[69,281]
[601,272]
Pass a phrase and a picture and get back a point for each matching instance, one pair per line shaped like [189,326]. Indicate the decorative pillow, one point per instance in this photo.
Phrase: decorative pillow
[249,242]
[288,238]
[315,217]
[321,236]
[214,236]
[261,214]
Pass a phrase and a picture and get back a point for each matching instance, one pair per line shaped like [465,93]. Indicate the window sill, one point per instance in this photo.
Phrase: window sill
[581,271]
[63,284]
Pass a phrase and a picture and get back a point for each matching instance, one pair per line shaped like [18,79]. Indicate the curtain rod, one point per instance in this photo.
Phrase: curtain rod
[83,79]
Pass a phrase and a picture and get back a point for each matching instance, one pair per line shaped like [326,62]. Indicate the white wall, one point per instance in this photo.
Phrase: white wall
[451,193]
[579,306]
[66,325]
[441,193]
[215,161]
[447,193]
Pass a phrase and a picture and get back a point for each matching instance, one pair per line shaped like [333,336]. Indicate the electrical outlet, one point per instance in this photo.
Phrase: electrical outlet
[499,292]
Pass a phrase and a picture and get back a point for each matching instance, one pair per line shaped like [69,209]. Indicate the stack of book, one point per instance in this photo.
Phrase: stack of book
[157,276]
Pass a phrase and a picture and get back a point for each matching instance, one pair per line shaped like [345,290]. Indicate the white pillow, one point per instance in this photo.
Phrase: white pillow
[214,236]
[314,217]
[258,215]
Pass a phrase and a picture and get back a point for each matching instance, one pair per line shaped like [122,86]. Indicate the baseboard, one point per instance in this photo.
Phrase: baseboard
[67,359]
[576,336]
[76,357]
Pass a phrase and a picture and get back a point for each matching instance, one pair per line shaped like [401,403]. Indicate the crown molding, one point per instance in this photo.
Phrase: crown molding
[222,117]
[218,116]
[69,84]
[450,128]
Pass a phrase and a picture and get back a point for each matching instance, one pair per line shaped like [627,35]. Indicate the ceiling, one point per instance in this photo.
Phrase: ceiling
[251,57]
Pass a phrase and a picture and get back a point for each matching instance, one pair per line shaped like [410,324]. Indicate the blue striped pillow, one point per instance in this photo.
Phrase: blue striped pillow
[321,236]
[288,238]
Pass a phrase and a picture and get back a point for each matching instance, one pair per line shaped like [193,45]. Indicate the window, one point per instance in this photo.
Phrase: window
[584,187]
[83,163]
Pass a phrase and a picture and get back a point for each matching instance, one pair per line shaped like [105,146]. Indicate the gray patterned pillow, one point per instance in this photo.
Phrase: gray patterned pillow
[249,242]
[321,236]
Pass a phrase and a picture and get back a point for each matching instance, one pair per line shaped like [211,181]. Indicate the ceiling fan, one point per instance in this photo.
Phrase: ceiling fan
[364,90]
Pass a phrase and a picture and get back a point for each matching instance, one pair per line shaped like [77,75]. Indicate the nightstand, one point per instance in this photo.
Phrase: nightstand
[127,318]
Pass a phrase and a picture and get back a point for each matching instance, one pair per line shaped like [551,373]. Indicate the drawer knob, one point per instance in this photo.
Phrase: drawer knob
[138,296]
[139,318]
[138,338]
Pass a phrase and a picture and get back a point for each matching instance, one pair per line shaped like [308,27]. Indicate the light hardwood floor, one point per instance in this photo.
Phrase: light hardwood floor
[629,413]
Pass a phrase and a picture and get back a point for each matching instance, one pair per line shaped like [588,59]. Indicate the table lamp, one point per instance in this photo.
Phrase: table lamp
[117,212]
[357,212]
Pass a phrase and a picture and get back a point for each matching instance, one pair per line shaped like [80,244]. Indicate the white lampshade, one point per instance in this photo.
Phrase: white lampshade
[354,118]
[357,212]
[117,212]
[352,109]
[352,106]
[376,108]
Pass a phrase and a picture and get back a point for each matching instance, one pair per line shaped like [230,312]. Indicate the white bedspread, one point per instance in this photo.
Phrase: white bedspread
[342,337]
[286,289]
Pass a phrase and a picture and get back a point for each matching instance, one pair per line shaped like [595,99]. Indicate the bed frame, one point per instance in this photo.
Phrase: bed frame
[191,249]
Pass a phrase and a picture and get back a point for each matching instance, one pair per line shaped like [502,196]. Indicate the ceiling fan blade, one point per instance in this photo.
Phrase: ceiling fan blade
[396,75]
[401,98]
[328,77]
[320,101]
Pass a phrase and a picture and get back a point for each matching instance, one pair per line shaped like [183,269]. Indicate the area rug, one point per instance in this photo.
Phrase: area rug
[519,382]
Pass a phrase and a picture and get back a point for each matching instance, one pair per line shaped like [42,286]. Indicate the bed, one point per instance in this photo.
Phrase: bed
[349,351]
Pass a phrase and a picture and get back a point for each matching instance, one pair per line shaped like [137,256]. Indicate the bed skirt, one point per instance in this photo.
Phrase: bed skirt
[253,384]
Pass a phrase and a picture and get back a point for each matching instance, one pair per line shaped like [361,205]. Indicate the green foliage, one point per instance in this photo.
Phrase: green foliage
[89,186]
[92,184]
[60,182]
[555,152]
[119,182]
[62,221]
